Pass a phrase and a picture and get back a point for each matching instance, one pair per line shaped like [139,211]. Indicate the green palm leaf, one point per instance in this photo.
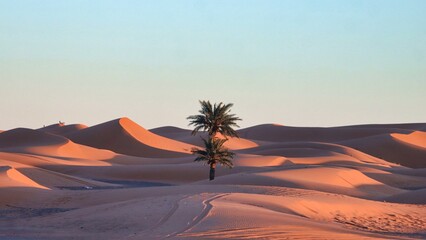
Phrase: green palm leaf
[215,119]
[214,153]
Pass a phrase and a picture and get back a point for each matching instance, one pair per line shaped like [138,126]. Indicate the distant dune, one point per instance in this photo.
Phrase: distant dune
[398,148]
[416,138]
[118,180]
[63,130]
[273,132]
[171,132]
[36,142]
[185,136]
[126,137]
[23,137]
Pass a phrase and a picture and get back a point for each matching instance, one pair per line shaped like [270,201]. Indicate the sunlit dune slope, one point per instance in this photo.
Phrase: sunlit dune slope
[417,138]
[287,217]
[10,177]
[339,180]
[126,137]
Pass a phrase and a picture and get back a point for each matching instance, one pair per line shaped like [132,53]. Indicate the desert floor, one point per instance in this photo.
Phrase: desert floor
[117,180]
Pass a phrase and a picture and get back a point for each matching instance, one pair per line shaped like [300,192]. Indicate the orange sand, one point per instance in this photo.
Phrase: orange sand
[118,180]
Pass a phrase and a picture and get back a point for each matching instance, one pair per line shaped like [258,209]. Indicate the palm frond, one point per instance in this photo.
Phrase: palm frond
[215,119]
[214,152]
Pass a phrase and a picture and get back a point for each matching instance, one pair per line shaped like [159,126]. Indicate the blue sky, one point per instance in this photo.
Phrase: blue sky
[299,63]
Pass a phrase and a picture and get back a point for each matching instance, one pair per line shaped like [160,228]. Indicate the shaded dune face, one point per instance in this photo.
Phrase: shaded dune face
[272,132]
[126,137]
[170,131]
[37,142]
[404,149]
[22,137]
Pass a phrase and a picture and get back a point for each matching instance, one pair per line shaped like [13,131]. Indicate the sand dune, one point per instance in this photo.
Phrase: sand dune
[60,129]
[338,180]
[393,149]
[250,160]
[226,212]
[334,179]
[234,143]
[126,137]
[35,168]
[45,144]
[10,177]
[374,216]
[171,132]
[408,126]
[117,180]
[397,145]
[155,170]
[317,153]
[416,138]
[402,178]
[411,197]
[23,137]
[184,135]
[276,133]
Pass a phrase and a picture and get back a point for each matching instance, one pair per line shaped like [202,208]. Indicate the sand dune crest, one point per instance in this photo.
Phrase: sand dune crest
[402,149]
[63,130]
[22,137]
[10,177]
[45,144]
[125,136]
[416,138]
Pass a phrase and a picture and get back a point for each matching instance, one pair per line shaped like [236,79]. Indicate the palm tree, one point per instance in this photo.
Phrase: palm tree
[215,119]
[214,153]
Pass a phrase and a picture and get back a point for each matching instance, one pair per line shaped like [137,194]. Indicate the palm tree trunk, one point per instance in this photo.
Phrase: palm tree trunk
[212,171]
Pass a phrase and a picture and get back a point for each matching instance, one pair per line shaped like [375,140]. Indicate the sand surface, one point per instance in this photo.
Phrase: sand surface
[118,180]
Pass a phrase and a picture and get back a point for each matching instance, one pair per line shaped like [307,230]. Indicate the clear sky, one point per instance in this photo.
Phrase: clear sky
[298,63]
